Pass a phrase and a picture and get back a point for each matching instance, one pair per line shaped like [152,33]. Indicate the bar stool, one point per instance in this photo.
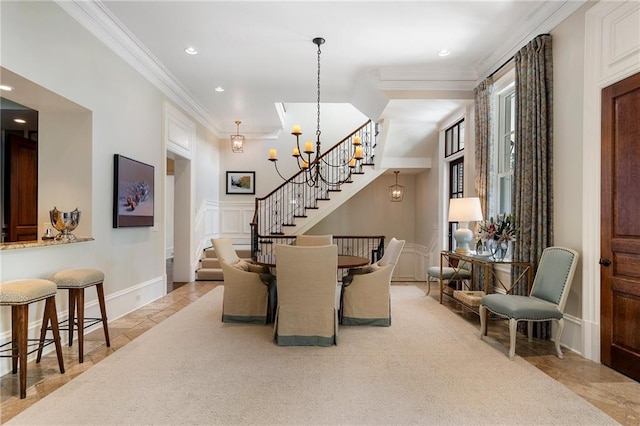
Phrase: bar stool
[76,280]
[19,294]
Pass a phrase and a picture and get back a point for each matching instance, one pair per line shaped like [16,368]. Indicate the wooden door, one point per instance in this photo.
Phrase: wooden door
[620,232]
[22,189]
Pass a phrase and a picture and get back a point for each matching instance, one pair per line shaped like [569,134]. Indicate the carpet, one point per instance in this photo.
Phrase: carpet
[429,367]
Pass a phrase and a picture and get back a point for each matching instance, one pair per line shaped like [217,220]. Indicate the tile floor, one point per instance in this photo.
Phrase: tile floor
[608,390]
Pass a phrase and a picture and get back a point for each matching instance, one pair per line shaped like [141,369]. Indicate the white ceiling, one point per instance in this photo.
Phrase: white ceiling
[380,56]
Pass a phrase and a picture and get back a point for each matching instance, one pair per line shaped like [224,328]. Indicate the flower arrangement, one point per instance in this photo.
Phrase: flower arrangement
[500,229]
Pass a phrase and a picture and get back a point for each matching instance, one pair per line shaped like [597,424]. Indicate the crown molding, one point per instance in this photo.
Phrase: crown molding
[548,16]
[99,21]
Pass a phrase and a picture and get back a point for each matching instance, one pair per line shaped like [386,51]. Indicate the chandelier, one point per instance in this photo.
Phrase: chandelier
[237,140]
[314,165]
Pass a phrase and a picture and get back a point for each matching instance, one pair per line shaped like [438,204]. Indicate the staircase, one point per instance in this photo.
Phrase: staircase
[210,269]
[296,206]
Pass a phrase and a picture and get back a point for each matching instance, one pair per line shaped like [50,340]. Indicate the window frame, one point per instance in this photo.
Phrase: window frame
[504,141]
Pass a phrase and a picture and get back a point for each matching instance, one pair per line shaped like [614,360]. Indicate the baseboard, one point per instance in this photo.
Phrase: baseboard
[118,305]
[572,334]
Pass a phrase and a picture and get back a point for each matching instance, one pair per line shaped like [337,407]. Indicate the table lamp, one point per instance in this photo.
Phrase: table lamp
[463,211]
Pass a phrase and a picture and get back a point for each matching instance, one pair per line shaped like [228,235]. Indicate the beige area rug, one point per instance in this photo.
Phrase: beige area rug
[429,367]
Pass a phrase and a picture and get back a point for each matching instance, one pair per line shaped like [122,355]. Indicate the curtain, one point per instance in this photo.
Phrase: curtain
[533,171]
[484,144]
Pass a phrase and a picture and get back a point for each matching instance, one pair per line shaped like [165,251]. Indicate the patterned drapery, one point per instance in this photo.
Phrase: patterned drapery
[484,144]
[533,171]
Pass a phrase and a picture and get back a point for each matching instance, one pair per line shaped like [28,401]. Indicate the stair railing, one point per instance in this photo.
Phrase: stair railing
[293,197]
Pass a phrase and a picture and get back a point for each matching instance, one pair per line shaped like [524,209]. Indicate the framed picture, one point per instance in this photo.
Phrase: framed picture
[133,188]
[241,182]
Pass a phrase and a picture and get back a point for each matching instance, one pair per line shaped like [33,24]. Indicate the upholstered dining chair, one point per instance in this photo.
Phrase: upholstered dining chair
[365,297]
[461,273]
[545,302]
[306,313]
[249,290]
[314,240]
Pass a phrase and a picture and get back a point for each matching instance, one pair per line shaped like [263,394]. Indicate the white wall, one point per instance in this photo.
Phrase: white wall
[45,45]
[568,81]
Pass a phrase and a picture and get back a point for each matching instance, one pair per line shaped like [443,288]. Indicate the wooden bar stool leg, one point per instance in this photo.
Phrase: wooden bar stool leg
[43,332]
[52,314]
[15,350]
[22,317]
[72,314]
[103,312]
[80,309]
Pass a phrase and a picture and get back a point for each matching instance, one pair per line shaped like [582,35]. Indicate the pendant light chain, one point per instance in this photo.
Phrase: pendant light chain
[318,129]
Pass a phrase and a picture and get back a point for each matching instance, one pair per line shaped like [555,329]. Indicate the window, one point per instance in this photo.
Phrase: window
[453,150]
[454,139]
[456,186]
[505,140]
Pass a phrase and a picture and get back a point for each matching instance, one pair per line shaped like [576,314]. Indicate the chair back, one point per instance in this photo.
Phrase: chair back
[314,240]
[225,251]
[554,275]
[307,282]
[392,253]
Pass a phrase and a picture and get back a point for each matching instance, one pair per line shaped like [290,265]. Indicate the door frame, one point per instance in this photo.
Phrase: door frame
[602,69]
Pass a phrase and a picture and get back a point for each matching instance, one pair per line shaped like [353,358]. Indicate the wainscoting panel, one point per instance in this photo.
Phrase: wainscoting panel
[179,131]
[235,221]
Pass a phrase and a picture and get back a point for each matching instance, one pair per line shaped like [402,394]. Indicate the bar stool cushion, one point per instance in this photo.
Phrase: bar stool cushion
[77,278]
[20,292]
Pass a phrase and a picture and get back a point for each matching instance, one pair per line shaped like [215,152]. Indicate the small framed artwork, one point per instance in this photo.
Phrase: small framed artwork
[133,189]
[241,182]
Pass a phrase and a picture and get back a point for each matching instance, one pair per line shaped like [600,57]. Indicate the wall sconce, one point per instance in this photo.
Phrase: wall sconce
[463,211]
[396,192]
[237,140]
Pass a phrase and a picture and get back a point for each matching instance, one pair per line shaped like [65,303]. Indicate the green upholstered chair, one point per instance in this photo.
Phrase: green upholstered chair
[249,290]
[545,302]
[462,273]
[365,297]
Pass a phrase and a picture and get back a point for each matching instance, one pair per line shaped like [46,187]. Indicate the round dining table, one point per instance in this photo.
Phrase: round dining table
[344,261]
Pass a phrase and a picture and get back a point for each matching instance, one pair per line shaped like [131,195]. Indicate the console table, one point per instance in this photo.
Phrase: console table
[482,263]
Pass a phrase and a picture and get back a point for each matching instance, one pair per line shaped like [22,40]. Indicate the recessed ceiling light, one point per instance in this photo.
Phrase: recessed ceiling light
[444,52]
[219,89]
[19,120]
[5,87]
[191,50]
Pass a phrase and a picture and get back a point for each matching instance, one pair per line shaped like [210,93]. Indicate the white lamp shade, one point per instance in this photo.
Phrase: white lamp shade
[464,209]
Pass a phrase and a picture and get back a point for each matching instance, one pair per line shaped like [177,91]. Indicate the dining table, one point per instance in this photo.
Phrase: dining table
[345,261]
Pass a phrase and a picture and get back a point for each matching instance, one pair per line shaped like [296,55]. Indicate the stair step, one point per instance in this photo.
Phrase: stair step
[210,263]
[301,215]
[287,224]
[323,199]
[209,274]
[335,190]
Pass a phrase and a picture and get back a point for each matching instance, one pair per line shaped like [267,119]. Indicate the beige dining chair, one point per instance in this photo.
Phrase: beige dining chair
[314,240]
[306,313]
[366,298]
[249,290]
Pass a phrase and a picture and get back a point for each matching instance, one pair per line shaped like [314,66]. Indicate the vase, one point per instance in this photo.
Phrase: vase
[498,249]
